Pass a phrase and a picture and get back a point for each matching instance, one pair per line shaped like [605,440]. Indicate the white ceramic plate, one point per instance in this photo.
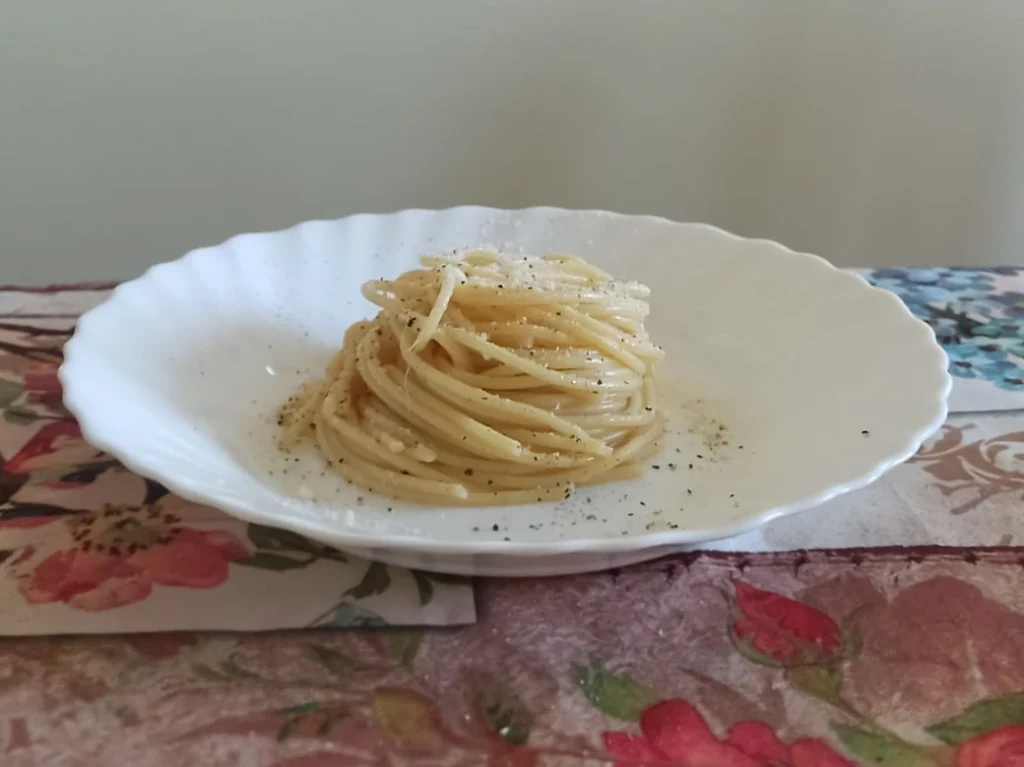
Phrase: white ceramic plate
[787,382]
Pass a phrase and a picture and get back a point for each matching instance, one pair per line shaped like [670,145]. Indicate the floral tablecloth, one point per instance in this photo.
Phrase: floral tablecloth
[978,315]
[778,650]
[88,547]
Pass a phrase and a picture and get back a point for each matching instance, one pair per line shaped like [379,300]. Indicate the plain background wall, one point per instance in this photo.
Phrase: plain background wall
[869,131]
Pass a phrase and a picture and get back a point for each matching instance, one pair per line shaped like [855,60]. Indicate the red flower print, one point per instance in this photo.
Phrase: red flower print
[101,575]
[782,630]
[1001,747]
[674,733]
[58,443]
[759,740]
[43,386]
[87,580]
[27,523]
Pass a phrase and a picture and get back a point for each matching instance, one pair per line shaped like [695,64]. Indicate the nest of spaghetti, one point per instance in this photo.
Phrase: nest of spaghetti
[488,379]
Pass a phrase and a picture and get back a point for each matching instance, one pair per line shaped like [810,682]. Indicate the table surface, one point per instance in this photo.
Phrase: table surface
[888,653]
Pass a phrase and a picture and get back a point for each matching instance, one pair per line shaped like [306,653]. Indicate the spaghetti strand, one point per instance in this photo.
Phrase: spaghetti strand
[488,379]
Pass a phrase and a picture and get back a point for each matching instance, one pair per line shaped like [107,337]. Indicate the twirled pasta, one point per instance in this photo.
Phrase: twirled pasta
[488,379]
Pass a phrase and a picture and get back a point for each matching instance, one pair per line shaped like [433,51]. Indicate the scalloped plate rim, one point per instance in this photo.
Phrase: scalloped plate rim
[602,545]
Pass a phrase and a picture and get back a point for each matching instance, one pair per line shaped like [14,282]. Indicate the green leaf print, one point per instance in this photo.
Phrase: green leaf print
[264,537]
[980,718]
[332,660]
[210,674]
[350,616]
[265,560]
[873,748]
[19,417]
[302,708]
[227,671]
[424,587]
[405,644]
[154,492]
[506,717]
[376,580]
[286,729]
[9,392]
[823,682]
[312,718]
[425,583]
[281,550]
[619,696]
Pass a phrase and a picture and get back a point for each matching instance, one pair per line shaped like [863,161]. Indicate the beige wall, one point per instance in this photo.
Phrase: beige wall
[870,131]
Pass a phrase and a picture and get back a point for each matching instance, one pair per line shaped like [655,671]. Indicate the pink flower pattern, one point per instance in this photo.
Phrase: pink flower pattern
[43,387]
[1001,747]
[58,443]
[100,580]
[782,629]
[195,702]
[674,733]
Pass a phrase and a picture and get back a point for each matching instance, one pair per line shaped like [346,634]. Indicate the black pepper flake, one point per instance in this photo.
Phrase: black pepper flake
[691,465]
[411,322]
[506,538]
[468,472]
[865,432]
[655,466]
[689,491]
[672,466]
[642,503]
[476,529]
[495,528]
